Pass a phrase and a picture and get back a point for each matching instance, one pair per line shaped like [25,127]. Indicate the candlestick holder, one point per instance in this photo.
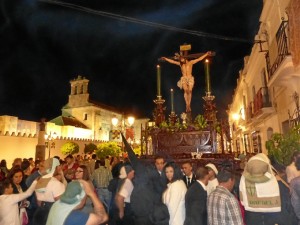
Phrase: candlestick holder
[173,118]
[209,108]
[208,96]
[158,114]
[183,116]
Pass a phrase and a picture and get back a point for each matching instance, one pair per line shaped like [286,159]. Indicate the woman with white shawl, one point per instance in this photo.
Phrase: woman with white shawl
[48,190]
[66,211]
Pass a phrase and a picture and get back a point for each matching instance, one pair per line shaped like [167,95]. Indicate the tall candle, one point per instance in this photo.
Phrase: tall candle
[158,81]
[172,100]
[207,76]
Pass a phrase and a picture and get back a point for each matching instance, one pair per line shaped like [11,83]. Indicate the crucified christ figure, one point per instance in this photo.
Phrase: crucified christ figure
[186,81]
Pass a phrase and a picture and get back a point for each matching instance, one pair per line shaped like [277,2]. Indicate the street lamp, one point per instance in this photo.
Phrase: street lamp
[115,122]
[50,138]
[130,120]
[124,124]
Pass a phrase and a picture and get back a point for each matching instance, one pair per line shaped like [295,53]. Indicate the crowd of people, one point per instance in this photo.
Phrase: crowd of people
[131,191]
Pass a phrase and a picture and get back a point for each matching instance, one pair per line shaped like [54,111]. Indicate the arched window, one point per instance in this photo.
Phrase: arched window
[81,89]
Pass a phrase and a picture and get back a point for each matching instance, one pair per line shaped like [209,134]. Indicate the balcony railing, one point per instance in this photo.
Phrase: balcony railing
[261,100]
[278,49]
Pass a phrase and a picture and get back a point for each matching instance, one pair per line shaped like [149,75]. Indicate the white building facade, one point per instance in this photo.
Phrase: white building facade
[266,98]
[82,121]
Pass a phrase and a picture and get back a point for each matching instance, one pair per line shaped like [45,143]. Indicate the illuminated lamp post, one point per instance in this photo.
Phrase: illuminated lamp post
[50,141]
[122,127]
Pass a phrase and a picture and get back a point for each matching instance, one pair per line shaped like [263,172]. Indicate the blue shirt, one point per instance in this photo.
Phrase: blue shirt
[77,217]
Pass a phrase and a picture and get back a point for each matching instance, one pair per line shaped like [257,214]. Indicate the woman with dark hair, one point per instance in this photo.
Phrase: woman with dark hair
[82,173]
[16,176]
[114,160]
[3,167]
[174,195]
[16,163]
[36,166]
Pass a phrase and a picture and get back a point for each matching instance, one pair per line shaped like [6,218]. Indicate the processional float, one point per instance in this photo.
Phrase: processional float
[184,135]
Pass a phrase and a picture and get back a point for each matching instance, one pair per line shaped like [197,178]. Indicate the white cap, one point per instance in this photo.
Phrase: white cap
[123,173]
[213,167]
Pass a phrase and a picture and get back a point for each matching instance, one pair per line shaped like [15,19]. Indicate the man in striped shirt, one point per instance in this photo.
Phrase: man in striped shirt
[222,206]
[101,178]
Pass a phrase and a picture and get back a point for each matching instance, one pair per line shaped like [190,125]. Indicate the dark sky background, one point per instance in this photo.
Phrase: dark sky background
[44,46]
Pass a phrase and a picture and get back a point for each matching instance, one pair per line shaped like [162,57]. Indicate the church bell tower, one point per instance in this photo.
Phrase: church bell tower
[79,92]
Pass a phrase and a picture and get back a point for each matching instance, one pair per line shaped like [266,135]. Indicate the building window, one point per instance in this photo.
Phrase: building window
[256,142]
[264,78]
[233,127]
[85,116]
[238,147]
[269,133]
[253,93]
[285,126]
[247,143]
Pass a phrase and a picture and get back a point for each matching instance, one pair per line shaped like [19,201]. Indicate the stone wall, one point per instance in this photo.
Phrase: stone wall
[24,146]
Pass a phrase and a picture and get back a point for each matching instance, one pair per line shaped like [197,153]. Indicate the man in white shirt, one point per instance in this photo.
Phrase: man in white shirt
[123,195]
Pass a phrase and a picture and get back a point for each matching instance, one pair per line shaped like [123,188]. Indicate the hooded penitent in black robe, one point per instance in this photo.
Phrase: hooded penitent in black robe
[144,199]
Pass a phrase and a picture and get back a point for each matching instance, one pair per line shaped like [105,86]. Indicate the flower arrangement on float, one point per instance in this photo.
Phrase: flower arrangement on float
[199,123]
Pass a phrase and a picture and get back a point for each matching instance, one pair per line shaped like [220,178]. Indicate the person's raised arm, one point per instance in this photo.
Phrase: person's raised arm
[99,215]
[131,155]
[21,196]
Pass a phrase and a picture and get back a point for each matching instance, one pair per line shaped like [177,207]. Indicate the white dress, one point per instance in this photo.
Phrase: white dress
[174,198]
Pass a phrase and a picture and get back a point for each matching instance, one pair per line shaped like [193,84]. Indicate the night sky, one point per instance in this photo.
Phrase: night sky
[116,45]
